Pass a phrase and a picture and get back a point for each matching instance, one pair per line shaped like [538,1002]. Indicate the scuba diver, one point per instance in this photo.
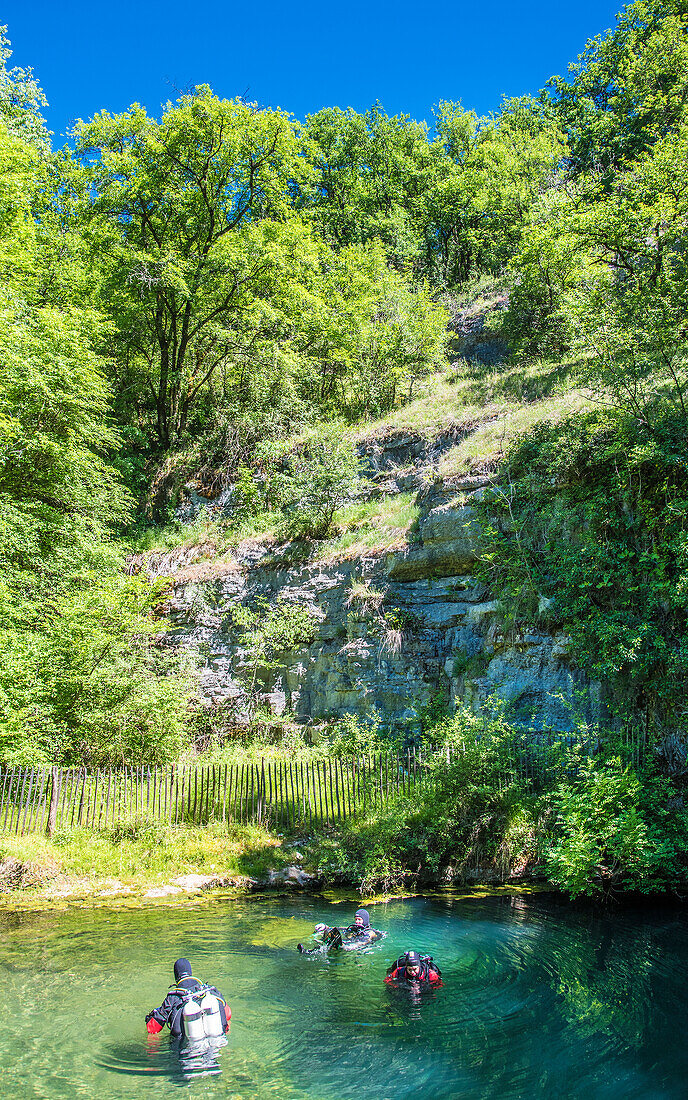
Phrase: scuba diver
[415,971]
[360,931]
[357,934]
[194,1011]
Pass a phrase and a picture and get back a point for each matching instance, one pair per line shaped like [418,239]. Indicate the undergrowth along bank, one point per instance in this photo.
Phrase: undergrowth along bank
[598,822]
[138,856]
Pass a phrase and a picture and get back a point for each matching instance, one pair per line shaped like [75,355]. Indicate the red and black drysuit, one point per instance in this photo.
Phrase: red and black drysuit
[428,975]
[170,1011]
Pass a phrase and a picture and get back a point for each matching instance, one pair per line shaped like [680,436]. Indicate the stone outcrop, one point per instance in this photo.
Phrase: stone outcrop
[428,630]
[473,337]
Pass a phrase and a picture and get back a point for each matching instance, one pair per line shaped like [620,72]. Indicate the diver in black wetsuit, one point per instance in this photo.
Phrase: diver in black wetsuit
[360,931]
[170,1011]
[357,934]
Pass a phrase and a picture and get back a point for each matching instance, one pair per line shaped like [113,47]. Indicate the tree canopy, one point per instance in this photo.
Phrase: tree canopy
[216,280]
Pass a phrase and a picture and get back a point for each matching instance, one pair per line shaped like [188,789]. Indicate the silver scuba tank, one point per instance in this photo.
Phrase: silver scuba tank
[192,1020]
[212,1018]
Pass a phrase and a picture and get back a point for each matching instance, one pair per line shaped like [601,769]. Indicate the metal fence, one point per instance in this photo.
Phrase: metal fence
[282,792]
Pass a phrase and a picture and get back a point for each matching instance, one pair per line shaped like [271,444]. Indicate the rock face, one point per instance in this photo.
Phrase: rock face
[472,336]
[395,631]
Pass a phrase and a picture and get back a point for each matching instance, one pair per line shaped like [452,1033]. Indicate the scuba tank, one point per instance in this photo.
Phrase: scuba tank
[200,1016]
[402,960]
[212,1018]
[191,1021]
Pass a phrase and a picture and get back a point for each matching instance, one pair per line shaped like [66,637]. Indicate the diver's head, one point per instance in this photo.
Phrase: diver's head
[182,969]
[361,919]
[413,964]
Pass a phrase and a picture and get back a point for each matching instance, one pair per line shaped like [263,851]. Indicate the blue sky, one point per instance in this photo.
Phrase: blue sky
[93,55]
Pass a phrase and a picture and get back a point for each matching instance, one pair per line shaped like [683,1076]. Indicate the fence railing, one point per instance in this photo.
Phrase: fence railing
[281,792]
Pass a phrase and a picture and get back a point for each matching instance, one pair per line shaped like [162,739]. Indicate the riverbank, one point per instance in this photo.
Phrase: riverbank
[149,866]
[140,865]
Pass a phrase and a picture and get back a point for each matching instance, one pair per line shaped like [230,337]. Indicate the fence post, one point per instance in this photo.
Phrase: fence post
[54,797]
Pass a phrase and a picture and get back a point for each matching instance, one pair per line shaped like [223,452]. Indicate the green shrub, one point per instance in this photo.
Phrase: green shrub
[266,631]
[320,479]
[466,813]
[589,530]
[354,735]
[615,830]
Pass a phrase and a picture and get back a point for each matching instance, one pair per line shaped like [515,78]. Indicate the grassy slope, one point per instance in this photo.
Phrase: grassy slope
[83,863]
[487,406]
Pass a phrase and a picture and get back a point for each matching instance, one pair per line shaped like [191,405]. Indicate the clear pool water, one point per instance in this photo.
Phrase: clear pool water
[540,1000]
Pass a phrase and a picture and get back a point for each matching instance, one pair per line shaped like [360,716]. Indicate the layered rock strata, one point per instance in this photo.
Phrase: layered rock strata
[426,633]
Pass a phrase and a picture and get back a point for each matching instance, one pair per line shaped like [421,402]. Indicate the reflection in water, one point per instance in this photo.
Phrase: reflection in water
[200,1059]
[148,1059]
[406,1000]
[539,1001]
[161,1056]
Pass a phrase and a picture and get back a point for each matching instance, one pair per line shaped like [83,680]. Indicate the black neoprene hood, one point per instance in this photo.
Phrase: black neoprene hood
[365,915]
[182,969]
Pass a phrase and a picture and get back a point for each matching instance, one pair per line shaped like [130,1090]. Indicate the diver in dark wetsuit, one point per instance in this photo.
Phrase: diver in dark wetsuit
[360,931]
[357,934]
[173,1010]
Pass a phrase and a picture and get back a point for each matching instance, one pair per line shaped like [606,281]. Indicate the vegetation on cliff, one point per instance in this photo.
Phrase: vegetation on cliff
[230,296]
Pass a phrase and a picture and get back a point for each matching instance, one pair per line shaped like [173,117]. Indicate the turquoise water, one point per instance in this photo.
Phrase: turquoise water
[540,1000]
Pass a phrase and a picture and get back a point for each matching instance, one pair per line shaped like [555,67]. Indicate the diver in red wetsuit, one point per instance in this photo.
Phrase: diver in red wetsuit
[186,989]
[415,971]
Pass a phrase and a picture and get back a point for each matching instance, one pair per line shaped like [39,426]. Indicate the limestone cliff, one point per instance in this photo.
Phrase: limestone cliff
[395,627]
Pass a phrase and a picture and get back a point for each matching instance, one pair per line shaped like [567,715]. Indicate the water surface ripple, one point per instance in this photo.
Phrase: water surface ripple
[539,1000]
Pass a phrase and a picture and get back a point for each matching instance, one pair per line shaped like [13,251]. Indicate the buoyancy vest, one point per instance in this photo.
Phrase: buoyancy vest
[354,932]
[428,970]
[362,932]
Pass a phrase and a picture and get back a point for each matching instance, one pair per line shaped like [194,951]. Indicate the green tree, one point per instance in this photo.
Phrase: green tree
[321,477]
[629,308]
[370,177]
[72,656]
[487,176]
[366,336]
[21,100]
[267,631]
[189,216]
[628,89]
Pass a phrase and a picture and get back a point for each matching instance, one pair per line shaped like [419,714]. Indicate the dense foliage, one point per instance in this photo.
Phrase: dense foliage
[493,804]
[224,291]
[75,653]
[591,535]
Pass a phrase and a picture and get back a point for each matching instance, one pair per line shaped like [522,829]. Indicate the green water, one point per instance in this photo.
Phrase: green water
[539,1000]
